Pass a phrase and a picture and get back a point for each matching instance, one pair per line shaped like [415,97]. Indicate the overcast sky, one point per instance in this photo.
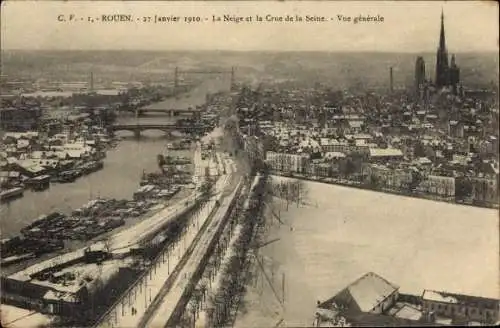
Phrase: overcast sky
[407,27]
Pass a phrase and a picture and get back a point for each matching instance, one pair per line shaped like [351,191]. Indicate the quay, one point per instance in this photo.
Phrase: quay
[149,290]
[174,302]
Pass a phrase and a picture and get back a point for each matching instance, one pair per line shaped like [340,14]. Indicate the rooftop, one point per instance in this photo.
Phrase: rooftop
[383,152]
[363,294]
[450,298]
[406,311]
[81,272]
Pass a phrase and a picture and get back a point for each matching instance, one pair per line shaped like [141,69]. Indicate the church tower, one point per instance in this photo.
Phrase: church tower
[454,75]
[419,73]
[442,59]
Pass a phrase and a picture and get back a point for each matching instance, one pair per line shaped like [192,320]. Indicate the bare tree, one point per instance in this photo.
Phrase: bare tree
[192,310]
[107,242]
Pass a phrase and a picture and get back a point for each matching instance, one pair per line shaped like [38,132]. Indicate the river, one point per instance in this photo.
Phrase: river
[343,233]
[120,176]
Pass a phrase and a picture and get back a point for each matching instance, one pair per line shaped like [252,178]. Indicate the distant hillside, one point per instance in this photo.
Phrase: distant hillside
[336,69]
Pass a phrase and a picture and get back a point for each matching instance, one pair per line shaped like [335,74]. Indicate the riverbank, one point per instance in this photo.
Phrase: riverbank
[118,179]
[132,183]
[403,193]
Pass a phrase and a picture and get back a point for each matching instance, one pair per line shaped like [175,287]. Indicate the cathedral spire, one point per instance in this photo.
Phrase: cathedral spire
[442,58]
[442,40]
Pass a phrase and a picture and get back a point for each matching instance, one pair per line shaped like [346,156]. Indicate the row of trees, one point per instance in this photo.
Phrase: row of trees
[200,295]
[222,305]
[292,191]
[235,274]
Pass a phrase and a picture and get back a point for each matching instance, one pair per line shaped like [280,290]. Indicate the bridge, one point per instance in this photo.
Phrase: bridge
[165,106]
[166,127]
[157,108]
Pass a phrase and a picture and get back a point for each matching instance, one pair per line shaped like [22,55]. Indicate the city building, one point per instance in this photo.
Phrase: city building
[419,74]
[372,301]
[369,294]
[438,185]
[485,190]
[286,162]
[459,307]
[385,154]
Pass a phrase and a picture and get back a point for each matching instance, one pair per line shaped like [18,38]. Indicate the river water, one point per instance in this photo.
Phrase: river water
[343,233]
[120,176]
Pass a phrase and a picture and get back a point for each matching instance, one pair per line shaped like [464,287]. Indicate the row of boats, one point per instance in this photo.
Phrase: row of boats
[182,144]
[78,171]
[155,192]
[48,232]
[37,183]
[40,183]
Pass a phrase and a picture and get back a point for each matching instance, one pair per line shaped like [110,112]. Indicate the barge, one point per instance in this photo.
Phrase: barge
[67,176]
[90,167]
[11,194]
[144,192]
[17,258]
[39,183]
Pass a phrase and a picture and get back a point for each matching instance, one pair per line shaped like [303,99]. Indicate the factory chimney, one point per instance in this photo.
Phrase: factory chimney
[91,89]
[391,78]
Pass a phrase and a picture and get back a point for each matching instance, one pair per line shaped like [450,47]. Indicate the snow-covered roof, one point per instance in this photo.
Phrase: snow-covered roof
[450,298]
[385,152]
[362,136]
[355,124]
[334,154]
[424,160]
[364,294]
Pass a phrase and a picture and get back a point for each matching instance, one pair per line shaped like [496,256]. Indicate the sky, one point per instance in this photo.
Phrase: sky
[407,26]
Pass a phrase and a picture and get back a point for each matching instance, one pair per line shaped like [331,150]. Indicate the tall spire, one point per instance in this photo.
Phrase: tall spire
[442,40]
[442,58]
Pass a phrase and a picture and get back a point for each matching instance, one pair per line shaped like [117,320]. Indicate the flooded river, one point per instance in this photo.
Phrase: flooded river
[122,171]
[345,232]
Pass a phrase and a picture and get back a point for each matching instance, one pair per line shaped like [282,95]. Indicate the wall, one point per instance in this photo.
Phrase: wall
[386,304]
[461,311]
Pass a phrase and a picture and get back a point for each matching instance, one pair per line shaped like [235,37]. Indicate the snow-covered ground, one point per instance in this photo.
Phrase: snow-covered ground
[170,301]
[214,287]
[145,291]
[415,243]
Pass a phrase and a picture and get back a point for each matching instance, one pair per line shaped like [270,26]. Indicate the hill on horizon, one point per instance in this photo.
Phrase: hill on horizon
[338,69]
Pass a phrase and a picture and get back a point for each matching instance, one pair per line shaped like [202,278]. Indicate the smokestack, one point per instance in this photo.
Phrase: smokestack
[391,77]
[232,78]
[176,80]
[91,81]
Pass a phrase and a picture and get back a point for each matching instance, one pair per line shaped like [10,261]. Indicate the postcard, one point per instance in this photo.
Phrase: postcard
[249,164]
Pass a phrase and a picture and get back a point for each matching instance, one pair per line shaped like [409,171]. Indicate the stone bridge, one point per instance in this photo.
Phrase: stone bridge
[165,127]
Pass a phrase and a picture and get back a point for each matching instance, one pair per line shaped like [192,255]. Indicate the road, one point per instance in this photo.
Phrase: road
[148,292]
[168,304]
[141,301]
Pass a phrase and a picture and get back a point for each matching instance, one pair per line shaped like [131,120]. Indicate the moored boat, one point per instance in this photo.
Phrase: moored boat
[10,194]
